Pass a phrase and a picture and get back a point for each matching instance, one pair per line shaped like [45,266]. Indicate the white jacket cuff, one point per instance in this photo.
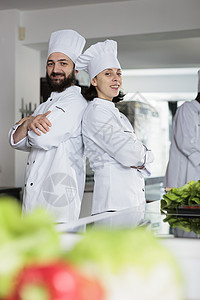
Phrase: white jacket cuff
[11,140]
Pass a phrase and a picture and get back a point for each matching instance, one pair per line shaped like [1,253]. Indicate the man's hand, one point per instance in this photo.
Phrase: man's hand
[32,123]
[23,119]
[39,122]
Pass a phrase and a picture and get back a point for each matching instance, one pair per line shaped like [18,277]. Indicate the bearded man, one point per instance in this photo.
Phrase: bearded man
[55,173]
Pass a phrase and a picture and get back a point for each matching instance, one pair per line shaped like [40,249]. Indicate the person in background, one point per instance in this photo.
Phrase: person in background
[119,160]
[184,157]
[55,173]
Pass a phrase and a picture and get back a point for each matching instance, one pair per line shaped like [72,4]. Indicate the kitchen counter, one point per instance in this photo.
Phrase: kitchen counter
[184,245]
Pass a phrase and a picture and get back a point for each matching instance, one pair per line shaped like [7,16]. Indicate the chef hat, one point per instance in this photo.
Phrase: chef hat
[98,57]
[68,42]
[199,81]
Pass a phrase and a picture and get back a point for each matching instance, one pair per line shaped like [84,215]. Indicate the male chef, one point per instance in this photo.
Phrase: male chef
[55,172]
[184,159]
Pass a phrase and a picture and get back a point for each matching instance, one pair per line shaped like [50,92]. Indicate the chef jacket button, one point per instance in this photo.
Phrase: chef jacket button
[50,99]
[31,183]
[25,185]
[143,190]
[27,163]
[33,161]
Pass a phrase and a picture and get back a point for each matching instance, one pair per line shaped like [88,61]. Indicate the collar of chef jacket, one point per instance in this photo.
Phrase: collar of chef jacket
[72,89]
[104,102]
[109,104]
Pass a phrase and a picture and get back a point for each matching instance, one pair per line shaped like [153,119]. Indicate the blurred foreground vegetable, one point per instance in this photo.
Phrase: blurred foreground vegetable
[105,264]
[23,241]
[32,265]
[54,281]
[129,263]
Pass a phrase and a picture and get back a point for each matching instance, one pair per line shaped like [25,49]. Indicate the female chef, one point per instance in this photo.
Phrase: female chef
[116,156]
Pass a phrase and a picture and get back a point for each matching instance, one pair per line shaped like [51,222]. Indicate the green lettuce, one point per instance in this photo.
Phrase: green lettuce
[186,224]
[113,249]
[189,194]
[129,263]
[23,240]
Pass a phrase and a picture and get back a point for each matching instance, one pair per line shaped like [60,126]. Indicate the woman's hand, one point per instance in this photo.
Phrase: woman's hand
[139,168]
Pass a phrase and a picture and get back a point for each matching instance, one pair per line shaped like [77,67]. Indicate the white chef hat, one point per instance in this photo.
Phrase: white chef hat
[68,42]
[98,57]
[199,81]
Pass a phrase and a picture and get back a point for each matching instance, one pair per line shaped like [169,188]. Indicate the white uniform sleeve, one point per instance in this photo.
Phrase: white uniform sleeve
[123,146]
[64,122]
[149,158]
[21,145]
[186,134]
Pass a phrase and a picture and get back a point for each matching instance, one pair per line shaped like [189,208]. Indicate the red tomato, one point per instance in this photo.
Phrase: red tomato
[55,281]
[90,289]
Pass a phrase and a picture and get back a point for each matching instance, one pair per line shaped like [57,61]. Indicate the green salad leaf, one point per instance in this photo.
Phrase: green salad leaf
[23,240]
[112,250]
[186,224]
[188,194]
[125,261]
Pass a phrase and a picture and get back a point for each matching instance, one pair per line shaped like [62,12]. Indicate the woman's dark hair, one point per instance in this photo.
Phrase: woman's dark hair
[89,93]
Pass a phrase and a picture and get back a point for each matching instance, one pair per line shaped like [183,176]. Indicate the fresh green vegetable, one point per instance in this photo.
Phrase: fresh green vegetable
[189,194]
[31,260]
[130,264]
[186,224]
[107,264]
[23,240]
[113,249]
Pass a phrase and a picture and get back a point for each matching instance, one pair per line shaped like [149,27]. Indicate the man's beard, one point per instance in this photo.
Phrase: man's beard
[61,85]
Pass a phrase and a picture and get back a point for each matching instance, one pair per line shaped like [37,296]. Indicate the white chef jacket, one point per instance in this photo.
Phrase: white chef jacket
[112,148]
[184,158]
[55,173]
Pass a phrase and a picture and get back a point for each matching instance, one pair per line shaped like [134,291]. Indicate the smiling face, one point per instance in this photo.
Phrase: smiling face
[108,83]
[60,71]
